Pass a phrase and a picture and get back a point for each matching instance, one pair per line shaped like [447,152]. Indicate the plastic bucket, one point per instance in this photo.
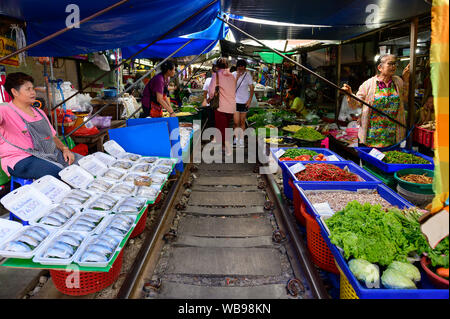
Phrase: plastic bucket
[426,189]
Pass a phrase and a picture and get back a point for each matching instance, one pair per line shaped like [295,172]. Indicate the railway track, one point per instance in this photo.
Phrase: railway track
[223,232]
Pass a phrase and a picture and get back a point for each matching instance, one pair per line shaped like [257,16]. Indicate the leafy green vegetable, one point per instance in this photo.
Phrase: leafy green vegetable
[308,134]
[368,232]
[408,270]
[394,279]
[439,255]
[189,109]
[294,152]
[396,157]
[365,271]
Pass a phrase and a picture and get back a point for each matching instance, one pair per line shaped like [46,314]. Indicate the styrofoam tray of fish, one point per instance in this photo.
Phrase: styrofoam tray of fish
[77,197]
[8,228]
[123,189]
[25,242]
[162,169]
[130,177]
[148,192]
[114,174]
[147,159]
[122,164]
[60,248]
[142,168]
[51,187]
[104,158]
[120,222]
[56,216]
[103,202]
[76,176]
[130,205]
[158,179]
[166,162]
[100,185]
[25,202]
[93,165]
[113,148]
[87,221]
[130,157]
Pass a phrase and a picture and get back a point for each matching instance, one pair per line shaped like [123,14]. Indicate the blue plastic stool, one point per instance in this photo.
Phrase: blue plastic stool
[22,182]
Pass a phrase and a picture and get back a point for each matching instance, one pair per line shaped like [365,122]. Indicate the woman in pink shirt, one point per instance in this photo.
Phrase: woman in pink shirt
[29,147]
[227,99]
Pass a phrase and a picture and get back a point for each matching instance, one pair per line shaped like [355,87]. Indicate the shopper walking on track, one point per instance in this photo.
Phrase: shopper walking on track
[156,93]
[244,95]
[227,99]
[388,93]
[29,147]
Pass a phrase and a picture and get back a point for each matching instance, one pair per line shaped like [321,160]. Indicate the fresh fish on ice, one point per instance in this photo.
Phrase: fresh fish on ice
[17,247]
[91,256]
[49,220]
[26,239]
[56,252]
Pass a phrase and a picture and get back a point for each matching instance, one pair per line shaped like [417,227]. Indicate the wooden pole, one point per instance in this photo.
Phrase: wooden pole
[412,79]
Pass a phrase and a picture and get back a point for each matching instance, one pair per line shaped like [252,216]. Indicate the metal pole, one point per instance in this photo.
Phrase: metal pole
[130,88]
[412,79]
[338,80]
[51,36]
[315,74]
[140,51]
[51,81]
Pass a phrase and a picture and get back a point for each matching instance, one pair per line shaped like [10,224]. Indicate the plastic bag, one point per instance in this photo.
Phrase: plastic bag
[394,279]
[365,271]
[407,269]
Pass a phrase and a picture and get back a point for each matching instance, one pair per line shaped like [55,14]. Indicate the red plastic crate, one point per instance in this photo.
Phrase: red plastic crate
[89,281]
[424,137]
[297,204]
[140,226]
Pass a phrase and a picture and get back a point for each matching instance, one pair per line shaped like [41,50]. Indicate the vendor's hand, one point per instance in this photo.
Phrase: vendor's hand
[406,73]
[347,88]
[68,156]
[172,114]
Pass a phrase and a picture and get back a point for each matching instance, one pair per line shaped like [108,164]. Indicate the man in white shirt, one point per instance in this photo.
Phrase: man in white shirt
[244,83]
[210,112]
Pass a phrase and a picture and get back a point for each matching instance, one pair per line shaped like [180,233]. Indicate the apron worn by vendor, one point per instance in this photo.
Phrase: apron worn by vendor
[381,131]
[44,146]
[155,107]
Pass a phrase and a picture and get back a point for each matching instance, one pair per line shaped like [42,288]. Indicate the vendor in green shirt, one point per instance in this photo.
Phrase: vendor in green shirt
[296,104]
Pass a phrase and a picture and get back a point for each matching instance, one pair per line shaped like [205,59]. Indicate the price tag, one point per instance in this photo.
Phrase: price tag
[332,158]
[323,209]
[279,153]
[297,168]
[377,154]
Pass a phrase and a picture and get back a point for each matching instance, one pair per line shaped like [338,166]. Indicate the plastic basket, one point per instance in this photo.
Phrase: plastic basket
[424,137]
[89,281]
[392,168]
[387,179]
[297,204]
[346,290]
[140,226]
[425,189]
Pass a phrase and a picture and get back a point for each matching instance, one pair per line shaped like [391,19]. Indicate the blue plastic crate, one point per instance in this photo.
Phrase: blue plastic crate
[384,191]
[392,168]
[426,289]
[367,177]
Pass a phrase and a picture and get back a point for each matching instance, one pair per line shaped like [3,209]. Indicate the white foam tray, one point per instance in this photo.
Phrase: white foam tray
[113,148]
[45,212]
[51,187]
[104,158]
[38,257]
[93,165]
[76,176]
[26,202]
[116,207]
[101,214]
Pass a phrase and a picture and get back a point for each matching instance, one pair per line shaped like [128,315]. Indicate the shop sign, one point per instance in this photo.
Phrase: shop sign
[8,46]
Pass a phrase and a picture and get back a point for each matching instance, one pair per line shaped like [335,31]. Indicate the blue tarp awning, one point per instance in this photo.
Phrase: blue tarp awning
[205,39]
[134,22]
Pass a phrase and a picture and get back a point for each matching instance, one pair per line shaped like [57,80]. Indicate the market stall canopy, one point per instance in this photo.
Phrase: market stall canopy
[321,20]
[206,39]
[134,22]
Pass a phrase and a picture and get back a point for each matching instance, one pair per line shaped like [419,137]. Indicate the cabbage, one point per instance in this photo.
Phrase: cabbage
[394,279]
[407,269]
[365,271]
